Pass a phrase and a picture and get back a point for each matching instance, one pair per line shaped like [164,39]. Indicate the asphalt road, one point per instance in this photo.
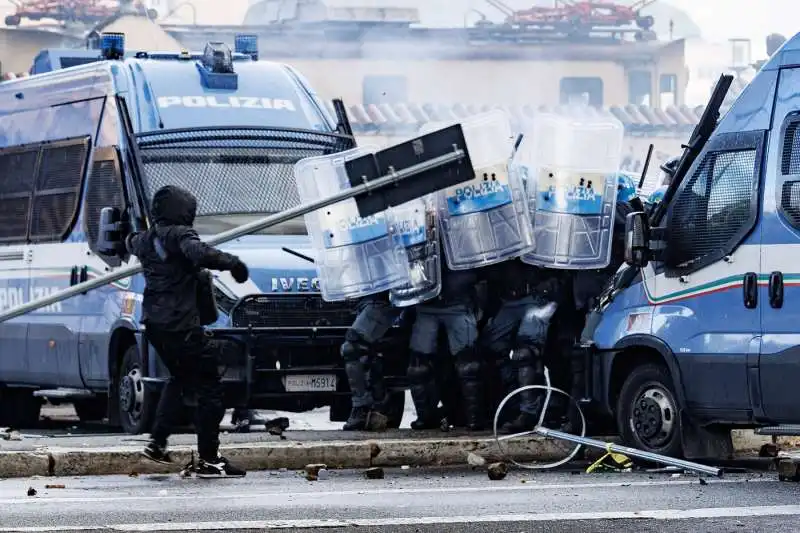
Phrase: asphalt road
[416,500]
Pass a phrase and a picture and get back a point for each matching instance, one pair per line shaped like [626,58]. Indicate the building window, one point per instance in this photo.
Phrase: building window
[668,89]
[640,87]
[587,91]
[385,89]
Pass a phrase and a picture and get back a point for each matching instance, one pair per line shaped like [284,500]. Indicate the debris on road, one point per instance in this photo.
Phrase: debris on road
[473,459]
[497,471]
[374,473]
[312,471]
[58,486]
[11,434]
[31,491]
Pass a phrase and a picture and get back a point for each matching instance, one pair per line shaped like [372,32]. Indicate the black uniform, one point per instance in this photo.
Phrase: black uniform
[454,310]
[362,362]
[172,256]
[515,337]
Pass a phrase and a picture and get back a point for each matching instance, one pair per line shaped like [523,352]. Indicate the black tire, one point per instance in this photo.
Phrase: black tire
[395,407]
[93,410]
[137,403]
[13,20]
[152,14]
[19,408]
[647,411]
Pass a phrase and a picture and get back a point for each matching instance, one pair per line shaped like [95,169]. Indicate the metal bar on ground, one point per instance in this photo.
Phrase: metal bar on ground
[632,452]
[364,188]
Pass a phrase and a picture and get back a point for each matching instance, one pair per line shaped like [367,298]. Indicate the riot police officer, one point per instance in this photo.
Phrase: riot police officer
[454,310]
[362,362]
[587,285]
[515,337]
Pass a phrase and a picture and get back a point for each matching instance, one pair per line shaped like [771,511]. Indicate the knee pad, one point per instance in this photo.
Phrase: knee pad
[468,366]
[420,367]
[354,350]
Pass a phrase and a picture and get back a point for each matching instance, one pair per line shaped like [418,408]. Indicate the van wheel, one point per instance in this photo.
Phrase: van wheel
[137,404]
[19,408]
[647,413]
[91,410]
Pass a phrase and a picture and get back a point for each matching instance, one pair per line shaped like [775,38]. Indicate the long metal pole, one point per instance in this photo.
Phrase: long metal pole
[246,229]
[632,452]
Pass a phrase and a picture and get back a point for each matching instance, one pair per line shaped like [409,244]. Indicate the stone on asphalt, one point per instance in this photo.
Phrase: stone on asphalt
[497,471]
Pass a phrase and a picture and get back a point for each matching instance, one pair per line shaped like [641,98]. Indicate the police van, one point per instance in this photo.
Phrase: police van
[700,334]
[105,128]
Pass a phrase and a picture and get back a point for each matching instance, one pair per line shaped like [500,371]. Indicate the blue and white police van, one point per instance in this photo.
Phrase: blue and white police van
[700,333]
[105,127]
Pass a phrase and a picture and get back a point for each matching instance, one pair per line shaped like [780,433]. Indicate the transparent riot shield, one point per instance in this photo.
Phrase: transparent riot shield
[355,256]
[416,223]
[572,159]
[485,221]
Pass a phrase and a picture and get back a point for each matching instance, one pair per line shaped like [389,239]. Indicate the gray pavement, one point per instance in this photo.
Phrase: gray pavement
[410,500]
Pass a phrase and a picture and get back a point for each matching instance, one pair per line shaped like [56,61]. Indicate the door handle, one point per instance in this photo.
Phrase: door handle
[750,287]
[84,274]
[776,289]
[73,276]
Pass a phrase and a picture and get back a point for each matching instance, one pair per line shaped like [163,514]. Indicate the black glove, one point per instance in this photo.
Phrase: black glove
[239,272]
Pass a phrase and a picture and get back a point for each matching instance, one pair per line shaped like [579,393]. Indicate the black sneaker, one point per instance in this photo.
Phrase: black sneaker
[156,452]
[218,469]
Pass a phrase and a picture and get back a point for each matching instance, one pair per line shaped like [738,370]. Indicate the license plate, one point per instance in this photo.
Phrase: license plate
[310,383]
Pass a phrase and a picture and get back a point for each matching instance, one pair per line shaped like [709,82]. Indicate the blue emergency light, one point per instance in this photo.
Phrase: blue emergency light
[112,45]
[247,44]
[216,67]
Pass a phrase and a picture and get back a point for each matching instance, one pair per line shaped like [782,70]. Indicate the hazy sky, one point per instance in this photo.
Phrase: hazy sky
[754,19]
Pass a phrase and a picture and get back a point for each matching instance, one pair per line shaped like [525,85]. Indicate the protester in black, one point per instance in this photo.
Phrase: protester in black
[172,256]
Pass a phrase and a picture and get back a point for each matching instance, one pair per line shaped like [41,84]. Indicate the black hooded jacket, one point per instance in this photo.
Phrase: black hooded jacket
[172,255]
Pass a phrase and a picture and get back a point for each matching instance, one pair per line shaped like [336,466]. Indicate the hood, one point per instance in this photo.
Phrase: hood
[173,206]
[272,270]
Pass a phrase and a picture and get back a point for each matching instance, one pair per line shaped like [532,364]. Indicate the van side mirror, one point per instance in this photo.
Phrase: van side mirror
[112,233]
[637,239]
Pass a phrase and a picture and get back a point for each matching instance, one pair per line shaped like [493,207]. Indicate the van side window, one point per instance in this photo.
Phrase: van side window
[58,187]
[104,189]
[789,202]
[17,178]
[713,211]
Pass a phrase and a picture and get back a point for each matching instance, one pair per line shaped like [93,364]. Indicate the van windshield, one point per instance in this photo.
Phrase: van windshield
[237,175]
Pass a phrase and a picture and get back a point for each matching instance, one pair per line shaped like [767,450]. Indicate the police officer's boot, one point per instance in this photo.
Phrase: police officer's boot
[529,367]
[468,367]
[423,391]
[356,357]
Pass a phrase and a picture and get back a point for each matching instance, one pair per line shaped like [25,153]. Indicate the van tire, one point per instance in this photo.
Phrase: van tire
[136,403]
[19,408]
[647,411]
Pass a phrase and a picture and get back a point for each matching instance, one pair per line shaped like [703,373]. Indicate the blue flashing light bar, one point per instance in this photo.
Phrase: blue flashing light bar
[112,45]
[246,43]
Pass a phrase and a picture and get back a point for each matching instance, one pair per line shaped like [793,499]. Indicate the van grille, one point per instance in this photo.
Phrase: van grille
[292,311]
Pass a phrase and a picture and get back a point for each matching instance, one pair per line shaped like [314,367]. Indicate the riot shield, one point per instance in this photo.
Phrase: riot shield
[572,159]
[416,223]
[485,221]
[355,256]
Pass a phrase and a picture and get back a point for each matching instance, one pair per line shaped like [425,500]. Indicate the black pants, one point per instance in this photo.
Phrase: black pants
[193,364]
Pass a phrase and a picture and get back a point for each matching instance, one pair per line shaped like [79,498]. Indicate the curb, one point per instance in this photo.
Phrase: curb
[285,454]
[296,455]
